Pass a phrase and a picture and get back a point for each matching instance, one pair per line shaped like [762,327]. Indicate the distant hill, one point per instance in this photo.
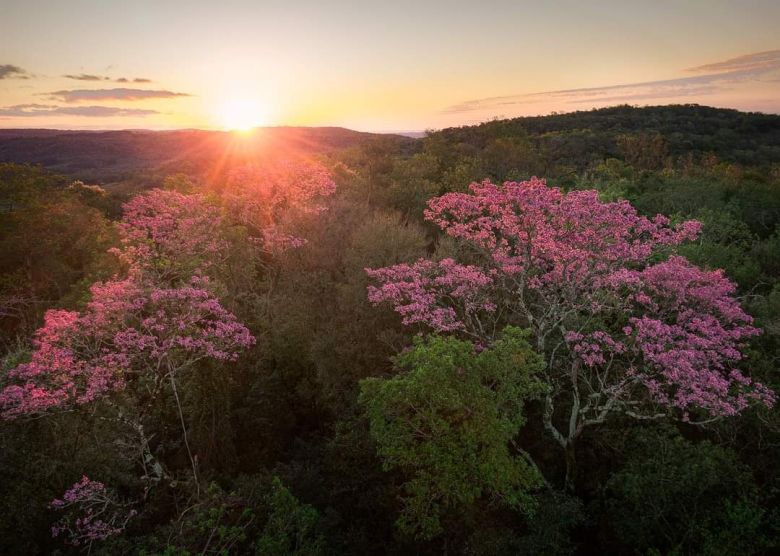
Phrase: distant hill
[111,156]
[745,137]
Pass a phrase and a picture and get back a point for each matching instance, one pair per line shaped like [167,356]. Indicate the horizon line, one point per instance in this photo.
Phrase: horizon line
[382,132]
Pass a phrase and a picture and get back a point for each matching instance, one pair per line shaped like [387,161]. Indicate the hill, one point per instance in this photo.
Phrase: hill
[111,156]
[742,137]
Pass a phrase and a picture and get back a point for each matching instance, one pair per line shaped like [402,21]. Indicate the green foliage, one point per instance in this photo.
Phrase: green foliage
[447,420]
[52,246]
[219,523]
[678,497]
[291,527]
[326,346]
[547,531]
[725,242]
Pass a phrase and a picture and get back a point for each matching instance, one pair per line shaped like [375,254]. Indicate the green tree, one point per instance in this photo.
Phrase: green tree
[447,422]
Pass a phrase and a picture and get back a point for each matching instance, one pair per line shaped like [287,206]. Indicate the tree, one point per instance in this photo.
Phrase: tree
[677,497]
[170,237]
[137,333]
[264,198]
[620,332]
[447,422]
[52,245]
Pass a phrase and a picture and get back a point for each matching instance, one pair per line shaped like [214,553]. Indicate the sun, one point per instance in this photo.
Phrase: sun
[242,114]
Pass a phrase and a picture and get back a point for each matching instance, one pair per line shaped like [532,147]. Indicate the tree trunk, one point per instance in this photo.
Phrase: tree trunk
[571,466]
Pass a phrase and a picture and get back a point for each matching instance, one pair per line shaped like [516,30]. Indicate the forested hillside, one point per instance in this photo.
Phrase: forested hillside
[550,335]
[142,157]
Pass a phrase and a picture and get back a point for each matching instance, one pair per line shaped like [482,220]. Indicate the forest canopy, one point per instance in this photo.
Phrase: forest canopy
[549,335]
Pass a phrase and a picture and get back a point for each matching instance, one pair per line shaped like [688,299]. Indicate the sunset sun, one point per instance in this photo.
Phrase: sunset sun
[242,114]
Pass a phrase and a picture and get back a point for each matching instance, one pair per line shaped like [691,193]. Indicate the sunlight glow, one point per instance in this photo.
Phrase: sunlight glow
[241,114]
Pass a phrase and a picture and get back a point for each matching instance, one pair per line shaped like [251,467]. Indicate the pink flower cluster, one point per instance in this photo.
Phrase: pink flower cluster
[428,292]
[125,329]
[151,321]
[179,325]
[94,513]
[57,374]
[688,332]
[274,240]
[562,262]
[263,191]
[554,237]
[594,348]
[171,233]
[262,196]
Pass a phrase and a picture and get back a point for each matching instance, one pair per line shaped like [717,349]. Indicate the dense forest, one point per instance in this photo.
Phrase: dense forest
[549,335]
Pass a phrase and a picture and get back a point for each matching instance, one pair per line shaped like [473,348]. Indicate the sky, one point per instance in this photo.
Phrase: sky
[397,65]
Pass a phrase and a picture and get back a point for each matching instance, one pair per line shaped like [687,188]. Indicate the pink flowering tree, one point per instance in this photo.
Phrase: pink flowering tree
[264,198]
[621,332]
[92,513]
[136,336]
[127,333]
[171,236]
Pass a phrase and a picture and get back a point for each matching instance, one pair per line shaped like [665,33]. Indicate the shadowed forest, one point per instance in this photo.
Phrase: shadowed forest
[549,335]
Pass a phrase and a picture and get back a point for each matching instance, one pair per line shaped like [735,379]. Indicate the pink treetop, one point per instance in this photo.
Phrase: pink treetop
[263,191]
[550,237]
[443,295]
[262,196]
[125,330]
[171,234]
[577,272]
[273,240]
[93,513]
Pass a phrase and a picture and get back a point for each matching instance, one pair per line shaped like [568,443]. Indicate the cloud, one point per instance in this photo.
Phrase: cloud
[34,110]
[135,80]
[93,77]
[81,95]
[754,62]
[713,78]
[9,71]
[86,77]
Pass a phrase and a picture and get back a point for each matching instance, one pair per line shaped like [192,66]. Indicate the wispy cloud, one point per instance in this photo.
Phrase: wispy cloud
[134,80]
[769,60]
[9,71]
[34,110]
[92,77]
[86,77]
[92,95]
[712,78]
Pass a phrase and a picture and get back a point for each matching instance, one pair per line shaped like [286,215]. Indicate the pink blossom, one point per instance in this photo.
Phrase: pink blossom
[688,332]
[171,234]
[93,513]
[260,197]
[429,292]
[126,329]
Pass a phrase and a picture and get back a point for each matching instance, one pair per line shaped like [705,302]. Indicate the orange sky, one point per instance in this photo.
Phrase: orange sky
[381,66]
